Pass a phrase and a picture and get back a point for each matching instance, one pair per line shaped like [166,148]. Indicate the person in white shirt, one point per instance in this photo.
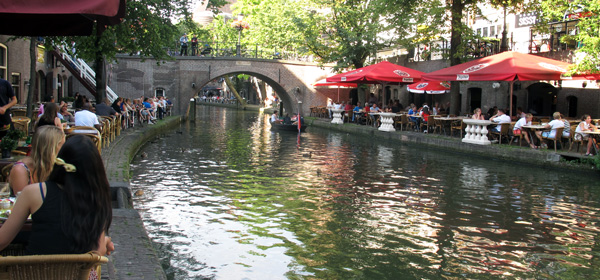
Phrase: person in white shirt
[274,118]
[518,130]
[86,117]
[499,118]
[554,124]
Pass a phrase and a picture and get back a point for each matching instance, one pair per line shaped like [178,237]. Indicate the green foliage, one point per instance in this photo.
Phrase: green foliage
[8,143]
[15,134]
[587,39]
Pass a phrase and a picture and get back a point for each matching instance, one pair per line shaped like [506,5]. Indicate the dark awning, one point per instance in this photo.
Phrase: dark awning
[57,17]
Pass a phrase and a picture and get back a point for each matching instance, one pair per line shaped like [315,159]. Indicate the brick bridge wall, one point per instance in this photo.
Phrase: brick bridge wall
[131,77]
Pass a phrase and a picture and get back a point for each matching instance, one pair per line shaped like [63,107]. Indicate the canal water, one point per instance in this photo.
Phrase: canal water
[226,198]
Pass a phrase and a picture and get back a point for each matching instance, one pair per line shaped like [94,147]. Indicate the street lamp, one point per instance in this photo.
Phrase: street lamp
[240,25]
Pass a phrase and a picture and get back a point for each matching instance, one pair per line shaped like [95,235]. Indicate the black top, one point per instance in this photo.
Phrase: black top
[42,122]
[47,236]
[6,94]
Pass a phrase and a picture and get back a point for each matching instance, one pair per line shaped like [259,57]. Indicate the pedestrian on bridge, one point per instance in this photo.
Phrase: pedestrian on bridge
[184,42]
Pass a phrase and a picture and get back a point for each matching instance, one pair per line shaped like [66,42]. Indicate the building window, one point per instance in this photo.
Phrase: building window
[485,32]
[492,31]
[15,80]
[478,31]
[159,92]
[3,62]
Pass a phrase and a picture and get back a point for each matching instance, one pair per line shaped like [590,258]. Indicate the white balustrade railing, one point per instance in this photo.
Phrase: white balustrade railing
[387,122]
[476,132]
[337,116]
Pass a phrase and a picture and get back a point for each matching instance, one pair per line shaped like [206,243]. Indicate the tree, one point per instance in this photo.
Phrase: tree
[146,30]
[587,38]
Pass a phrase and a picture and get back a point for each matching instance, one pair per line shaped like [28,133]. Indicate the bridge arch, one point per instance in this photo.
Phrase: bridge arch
[184,76]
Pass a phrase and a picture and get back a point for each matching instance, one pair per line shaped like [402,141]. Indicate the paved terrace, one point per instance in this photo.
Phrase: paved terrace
[135,256]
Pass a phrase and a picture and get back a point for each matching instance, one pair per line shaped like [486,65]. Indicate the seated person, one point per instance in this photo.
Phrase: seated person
[567,130]
[287,119]
[553,125]
[585,125]
[477,115]
[499,118]
[86,117]
[411,112]
[274,118]
[517,130]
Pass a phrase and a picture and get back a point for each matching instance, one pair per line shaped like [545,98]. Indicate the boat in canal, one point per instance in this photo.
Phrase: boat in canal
[287,127]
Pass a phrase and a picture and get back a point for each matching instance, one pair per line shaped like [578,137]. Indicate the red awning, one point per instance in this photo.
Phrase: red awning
[429,87]
[383,72]
[57,17]
[506,66]
[324,83]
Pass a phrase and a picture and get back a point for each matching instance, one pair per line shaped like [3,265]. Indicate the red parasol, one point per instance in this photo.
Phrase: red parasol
[383,72]
[58,17]
[507,66]
[430,87]
[324,83]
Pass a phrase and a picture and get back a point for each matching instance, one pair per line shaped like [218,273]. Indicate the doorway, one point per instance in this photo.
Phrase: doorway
[572,106]
[541,99]
[474,95]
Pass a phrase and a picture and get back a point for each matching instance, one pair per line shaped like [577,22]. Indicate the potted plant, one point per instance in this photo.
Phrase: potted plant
[7,145]
[15,134]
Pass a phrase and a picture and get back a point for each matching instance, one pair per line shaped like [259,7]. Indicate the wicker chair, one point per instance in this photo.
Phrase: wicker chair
[49,267]
[505,127]
[573,140]
[557,137]
[458,126]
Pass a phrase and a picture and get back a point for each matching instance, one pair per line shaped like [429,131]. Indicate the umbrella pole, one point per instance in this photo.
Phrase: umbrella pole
[338,94]
[510,91]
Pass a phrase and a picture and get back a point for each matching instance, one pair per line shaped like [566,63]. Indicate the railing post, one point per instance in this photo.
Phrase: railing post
[192,110]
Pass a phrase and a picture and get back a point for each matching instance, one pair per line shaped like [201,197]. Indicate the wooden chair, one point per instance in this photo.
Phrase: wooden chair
[505,127]
[429,123]
[557,137]
[6,171]
[458,126]
[106,132]
[402,121]
[437,124]
[96,136]
[50,267]
[520,136]
[574,140]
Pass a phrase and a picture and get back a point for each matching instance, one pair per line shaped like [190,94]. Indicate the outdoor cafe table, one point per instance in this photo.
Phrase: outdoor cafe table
[531,129]
[447,121]
[595,135]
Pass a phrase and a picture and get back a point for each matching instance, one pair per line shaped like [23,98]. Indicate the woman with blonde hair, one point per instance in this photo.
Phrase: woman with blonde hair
[477,115]
[46,143]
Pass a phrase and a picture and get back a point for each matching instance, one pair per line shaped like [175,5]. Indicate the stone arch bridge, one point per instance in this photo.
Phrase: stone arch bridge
[182,78]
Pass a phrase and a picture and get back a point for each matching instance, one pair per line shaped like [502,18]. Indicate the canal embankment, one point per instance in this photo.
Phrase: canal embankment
[135,257]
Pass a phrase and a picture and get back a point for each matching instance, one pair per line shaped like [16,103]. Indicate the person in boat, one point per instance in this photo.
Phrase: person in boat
[274,118]
[287,119]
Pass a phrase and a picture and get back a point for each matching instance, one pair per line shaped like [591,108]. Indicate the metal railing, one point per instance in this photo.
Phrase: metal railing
[229,49]
[87,73]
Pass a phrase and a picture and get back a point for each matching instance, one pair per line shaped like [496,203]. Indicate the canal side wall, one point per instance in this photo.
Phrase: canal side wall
[135,256]
[505,152]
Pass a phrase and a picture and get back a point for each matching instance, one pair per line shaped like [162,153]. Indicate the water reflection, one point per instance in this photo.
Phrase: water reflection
[230,199]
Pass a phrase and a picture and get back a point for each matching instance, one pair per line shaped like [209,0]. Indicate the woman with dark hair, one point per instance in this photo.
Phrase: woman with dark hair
[71,211]
[49,117]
